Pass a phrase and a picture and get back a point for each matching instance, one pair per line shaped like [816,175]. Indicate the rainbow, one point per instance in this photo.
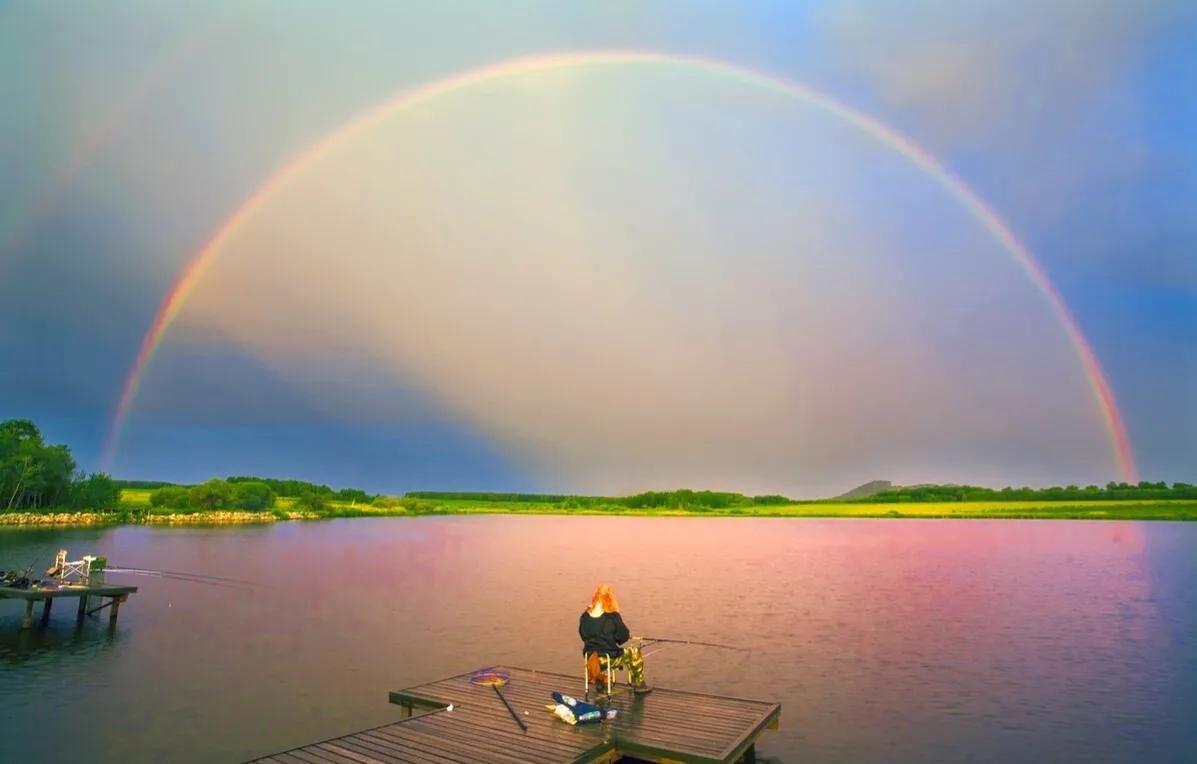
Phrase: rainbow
[198,265]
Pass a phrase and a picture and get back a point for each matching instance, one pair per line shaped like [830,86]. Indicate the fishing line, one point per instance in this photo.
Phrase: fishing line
[650,651]
[175,577]
[176,573]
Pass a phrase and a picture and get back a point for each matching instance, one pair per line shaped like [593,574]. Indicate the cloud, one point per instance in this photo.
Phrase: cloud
[1068,116]
[962,68]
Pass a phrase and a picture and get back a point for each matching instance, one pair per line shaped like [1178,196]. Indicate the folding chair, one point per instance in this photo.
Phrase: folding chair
[607,672]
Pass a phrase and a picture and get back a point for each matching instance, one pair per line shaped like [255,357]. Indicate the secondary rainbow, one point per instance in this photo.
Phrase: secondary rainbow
[194,270]
[102,132]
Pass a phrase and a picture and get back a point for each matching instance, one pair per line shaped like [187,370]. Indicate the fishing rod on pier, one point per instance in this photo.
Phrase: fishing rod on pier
[17,579]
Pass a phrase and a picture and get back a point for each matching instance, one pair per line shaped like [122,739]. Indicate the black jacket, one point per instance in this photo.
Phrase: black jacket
[604,634]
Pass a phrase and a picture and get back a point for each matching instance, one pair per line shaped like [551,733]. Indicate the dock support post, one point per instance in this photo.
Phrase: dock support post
[46,609]
[82,607]
[28,620]
[116,603]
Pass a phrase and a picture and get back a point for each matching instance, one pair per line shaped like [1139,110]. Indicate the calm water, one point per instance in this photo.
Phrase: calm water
[884,640]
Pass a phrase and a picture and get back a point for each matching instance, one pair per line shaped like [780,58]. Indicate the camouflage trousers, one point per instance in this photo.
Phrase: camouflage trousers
[631,661]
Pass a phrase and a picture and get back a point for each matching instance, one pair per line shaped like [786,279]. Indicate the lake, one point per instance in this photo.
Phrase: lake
[884,640]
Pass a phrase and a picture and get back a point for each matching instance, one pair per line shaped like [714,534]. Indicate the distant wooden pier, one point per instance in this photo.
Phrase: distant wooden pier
[661,726]
[86,594]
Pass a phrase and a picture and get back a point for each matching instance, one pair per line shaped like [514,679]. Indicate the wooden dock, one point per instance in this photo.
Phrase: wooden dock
[115,595]
[661,726]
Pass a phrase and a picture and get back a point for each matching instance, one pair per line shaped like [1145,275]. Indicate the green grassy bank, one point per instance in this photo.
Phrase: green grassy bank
[134,508]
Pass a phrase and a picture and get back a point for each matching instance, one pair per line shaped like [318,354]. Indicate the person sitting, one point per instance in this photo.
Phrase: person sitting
[603,633]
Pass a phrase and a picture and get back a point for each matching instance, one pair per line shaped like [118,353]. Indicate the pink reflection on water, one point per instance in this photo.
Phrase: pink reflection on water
[896,640]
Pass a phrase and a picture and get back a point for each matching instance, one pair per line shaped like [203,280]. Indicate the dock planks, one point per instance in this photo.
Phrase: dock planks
[665,725]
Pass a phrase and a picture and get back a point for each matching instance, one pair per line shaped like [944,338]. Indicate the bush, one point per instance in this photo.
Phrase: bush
[313,502]
[169,497]
[253,495]
[385,502]
[770,500]
[355,495]
[212,495]
[418,506]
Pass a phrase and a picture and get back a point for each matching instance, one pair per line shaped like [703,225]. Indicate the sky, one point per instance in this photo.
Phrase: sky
[603,247]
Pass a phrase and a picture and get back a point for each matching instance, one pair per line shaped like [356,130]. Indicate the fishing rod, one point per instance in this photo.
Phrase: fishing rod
[654,640]
[14,579]
[657,644]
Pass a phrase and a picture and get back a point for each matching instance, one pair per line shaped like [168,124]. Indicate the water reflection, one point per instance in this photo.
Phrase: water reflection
[885,640]
[56,640]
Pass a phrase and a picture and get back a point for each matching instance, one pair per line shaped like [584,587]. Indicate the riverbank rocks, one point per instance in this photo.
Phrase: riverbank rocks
[297,515]
[54,518]
[105,518]
[210,518]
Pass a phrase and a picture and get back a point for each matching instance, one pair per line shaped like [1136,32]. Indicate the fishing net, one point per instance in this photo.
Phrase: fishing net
[490,676]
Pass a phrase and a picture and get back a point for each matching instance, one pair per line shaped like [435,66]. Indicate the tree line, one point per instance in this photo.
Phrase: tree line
[680,499]
[215,495]
[299,488]
[35,475]
[278,486]
[684,498]
[1110,492]
[253,494]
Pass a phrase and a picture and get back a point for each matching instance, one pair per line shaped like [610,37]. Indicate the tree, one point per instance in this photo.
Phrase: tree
[253,495]
[212,495]
[32,474]
[96,491]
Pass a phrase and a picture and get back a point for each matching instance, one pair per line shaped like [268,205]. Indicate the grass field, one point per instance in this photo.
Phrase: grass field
[135,497]
[1148,509]
[1122,510]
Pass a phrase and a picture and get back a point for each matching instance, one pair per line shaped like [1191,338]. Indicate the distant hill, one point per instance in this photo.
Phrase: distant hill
[870,488]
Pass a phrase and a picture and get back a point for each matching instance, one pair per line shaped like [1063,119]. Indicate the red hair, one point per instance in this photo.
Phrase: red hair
[604,595]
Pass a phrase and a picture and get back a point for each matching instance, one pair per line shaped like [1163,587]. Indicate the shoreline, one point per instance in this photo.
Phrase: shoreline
[1145,511]
[85,519]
